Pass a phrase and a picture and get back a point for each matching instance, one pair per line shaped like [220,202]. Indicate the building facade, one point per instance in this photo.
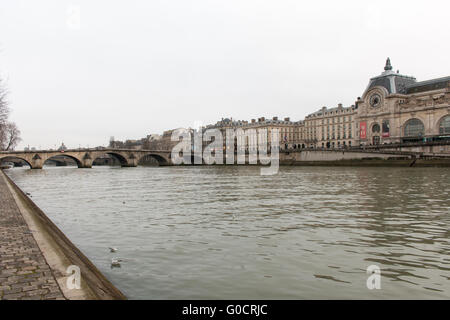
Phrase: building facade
[394,108]
[330,128]
[397,109]
[290,133]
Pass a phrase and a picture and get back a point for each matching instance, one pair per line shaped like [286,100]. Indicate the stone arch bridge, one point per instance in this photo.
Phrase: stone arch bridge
[85,157]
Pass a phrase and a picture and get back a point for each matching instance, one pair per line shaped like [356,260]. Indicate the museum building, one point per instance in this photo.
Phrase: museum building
[396,108]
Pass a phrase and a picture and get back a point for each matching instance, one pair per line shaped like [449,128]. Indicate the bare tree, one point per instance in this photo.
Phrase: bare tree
[4,113]
[9,132]
[12,136]
[4,110]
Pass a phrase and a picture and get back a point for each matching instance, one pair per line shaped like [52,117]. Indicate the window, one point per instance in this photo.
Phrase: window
[385,127]
[376,128]
[444,127]
[414,128]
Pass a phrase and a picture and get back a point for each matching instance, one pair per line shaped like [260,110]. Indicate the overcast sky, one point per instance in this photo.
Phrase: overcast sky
[82,71]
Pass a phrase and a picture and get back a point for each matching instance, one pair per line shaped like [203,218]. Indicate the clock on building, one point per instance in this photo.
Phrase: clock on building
[375,100]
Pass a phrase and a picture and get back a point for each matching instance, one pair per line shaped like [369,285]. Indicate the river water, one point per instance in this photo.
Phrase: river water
[226,232]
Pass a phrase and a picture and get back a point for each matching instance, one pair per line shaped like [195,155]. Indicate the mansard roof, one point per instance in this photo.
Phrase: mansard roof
[394,82]
[326,110]
[428,85]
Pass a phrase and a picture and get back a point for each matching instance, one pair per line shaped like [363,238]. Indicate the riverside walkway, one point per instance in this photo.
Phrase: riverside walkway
[24,272]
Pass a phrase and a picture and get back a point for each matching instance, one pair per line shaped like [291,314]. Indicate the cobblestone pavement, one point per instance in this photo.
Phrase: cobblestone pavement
[24,273]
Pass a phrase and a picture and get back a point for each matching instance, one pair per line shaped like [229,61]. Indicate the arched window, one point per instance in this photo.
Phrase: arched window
[444,126]
[385,128]
[414,128]
[376,128]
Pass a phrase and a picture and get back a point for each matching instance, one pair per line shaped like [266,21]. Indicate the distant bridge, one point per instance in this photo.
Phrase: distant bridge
[85,157]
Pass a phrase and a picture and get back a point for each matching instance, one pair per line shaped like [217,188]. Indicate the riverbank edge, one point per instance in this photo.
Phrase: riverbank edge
[98,286]
[373,162]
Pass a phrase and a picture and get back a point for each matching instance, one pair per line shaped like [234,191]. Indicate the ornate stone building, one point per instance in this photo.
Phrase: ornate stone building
[330,127]
[397,109]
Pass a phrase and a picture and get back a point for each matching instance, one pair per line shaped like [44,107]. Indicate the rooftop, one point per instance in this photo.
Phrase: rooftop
[394,82]
[325,111]
[428,85]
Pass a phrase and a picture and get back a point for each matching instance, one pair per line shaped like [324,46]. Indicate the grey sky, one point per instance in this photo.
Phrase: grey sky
[140,67]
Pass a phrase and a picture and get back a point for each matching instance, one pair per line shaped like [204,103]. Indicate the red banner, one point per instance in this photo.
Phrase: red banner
[363,130]
[385,129]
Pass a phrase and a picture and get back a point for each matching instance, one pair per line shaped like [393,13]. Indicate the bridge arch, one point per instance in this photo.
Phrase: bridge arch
[6,157]
[116,155]
[162,161]
[63,155]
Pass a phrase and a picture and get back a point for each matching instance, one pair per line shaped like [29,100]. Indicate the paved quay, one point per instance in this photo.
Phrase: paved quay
[24,272]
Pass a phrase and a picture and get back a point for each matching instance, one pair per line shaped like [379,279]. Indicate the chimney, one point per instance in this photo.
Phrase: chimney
[253,120]
[275,118]
[340,105]
[286,119]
